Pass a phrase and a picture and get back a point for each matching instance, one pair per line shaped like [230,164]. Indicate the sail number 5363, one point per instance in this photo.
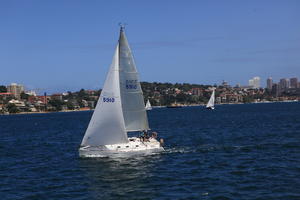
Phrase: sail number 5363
[131,84]
[109,100]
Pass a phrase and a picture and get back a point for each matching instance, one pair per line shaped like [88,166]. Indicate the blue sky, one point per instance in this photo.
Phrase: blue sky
[62,45]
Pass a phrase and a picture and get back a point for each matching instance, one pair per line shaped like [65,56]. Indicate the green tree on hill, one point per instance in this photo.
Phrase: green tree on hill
[3,88]
[12,108]
[24,96]
[57,104]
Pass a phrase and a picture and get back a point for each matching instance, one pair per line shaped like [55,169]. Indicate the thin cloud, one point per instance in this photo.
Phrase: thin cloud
[176,43]
[279,50]
[153,44]
[235,59]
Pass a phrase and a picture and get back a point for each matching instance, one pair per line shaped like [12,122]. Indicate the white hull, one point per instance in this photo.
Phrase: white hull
[210,108]
[133,147]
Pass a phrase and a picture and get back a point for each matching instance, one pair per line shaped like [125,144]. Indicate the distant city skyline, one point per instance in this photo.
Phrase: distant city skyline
[67,45]
[254,83]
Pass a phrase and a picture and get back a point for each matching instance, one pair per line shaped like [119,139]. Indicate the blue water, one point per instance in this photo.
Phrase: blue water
[234,152]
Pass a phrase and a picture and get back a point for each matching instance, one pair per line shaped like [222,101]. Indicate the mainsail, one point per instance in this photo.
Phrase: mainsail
[211,101]
[134,112]
[107,124]
[120,107]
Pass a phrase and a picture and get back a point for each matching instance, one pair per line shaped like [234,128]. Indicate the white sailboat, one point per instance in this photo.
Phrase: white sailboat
[120,109]
[211,102]
[148,105]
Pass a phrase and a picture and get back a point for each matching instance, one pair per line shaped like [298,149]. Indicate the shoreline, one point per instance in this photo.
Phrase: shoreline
[44,112]
[155,107]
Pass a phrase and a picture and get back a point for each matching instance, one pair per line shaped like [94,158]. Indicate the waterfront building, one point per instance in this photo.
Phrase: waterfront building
[255,82]
[91,104]
[15,89]
[90,92]
[84,103]
[6,95]
[269,83]
[38,99]
[17,103]
[294,82]
[57,96]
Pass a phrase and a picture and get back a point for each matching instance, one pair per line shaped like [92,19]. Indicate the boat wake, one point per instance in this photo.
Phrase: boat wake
[207,148]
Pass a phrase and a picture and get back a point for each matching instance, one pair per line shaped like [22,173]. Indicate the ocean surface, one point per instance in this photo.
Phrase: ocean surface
[249,151]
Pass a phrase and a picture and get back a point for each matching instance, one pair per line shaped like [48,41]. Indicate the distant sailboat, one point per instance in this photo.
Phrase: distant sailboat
[120,109]
[148,105]
[211,102]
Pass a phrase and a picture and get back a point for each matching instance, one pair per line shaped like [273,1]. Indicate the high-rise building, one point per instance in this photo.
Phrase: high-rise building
[255,82]
[15,89]
[284,84]
[294,82]
[276,89]
[288,83]
[250,83]
[269,83]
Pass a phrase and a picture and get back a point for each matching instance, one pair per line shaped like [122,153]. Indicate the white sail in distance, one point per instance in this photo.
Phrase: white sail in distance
[148,105]
[134,111]
[211,102]
[107,125]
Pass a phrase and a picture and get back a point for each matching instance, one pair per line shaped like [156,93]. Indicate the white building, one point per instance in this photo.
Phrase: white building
[31,93]
[255,82]
[251,83]
[284,84]
[15,89]
[17,103]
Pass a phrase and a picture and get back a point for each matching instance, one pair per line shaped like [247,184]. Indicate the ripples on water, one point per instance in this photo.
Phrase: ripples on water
[234,152]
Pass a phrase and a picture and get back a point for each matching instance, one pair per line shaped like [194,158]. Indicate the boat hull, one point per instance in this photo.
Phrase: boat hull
[135,146]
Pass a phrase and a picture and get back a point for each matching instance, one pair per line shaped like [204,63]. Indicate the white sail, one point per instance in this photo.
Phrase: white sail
[107,125]
[134,112]
[148,105]
[211,102]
